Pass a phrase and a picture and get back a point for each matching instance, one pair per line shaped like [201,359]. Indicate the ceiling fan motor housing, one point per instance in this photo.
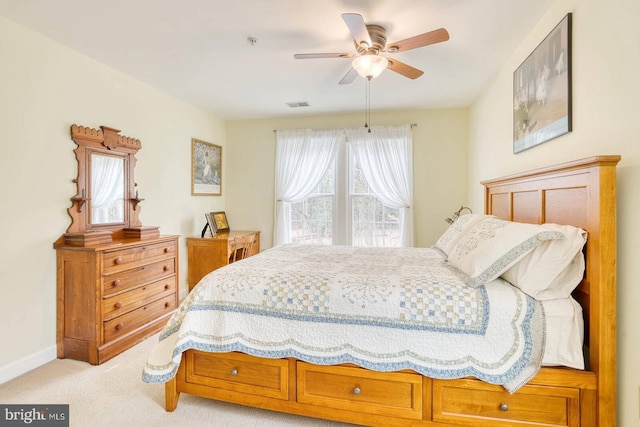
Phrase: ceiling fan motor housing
[378,37]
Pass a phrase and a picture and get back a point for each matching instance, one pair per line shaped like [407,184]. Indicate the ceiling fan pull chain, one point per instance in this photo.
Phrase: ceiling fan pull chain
[366,103]
[369,102]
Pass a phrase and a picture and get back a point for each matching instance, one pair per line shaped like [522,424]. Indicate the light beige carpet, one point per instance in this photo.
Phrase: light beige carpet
[113,394]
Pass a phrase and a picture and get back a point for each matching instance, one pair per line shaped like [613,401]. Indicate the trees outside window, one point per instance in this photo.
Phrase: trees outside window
[365,220]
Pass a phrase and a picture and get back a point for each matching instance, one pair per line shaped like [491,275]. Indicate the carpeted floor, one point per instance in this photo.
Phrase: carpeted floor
[113,394]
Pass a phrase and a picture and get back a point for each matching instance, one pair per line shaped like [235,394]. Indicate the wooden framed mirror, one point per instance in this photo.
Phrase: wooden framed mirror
[106,204]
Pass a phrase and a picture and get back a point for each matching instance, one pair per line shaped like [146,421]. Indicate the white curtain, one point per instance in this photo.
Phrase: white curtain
[386,157]
[107,189]
[302,158]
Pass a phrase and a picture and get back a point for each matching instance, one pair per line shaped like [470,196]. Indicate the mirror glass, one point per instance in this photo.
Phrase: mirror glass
[107,189]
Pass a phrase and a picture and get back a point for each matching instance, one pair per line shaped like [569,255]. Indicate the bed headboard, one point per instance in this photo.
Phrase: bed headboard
[580,193]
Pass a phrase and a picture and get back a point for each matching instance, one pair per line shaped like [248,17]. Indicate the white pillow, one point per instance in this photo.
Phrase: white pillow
[554,268]
[564,328]
[494,245]
[450,237]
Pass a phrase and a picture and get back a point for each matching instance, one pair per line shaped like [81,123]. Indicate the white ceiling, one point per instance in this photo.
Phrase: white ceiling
[197,50]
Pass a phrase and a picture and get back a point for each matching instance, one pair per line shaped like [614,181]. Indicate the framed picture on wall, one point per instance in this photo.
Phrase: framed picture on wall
[542,91]
[206,168]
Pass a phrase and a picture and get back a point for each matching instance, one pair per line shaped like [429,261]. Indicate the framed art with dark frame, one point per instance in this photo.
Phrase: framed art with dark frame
[220,221]
[542,91]
[206,168]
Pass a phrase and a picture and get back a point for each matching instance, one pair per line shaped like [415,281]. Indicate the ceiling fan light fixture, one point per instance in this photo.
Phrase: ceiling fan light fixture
[370,66]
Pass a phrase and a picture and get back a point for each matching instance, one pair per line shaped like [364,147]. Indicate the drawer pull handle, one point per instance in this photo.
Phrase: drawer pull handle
[167,286]
[166,305]
[116,283]
[504,407]
[117,261]
[166,250]
[119,326]
[166,268]
[234,372]
[118,304]
[356,390]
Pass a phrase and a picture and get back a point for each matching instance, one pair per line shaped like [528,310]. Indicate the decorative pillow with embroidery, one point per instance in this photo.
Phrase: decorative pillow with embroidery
[493,245]
[554,268]
[452,235]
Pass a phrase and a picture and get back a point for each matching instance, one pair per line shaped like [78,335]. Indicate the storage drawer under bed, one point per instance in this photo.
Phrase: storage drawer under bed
[240,372]
[475,403]
[359,390]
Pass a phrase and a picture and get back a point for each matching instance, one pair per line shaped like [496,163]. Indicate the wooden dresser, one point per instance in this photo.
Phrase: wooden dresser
[117,280]
[210,253]
[113,295]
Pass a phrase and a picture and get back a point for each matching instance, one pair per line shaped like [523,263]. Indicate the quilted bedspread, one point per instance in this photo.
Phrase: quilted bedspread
[384,309]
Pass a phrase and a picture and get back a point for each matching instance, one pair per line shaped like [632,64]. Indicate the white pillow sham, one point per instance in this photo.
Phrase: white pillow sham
[493,245]
[554,268]
[452,235]
[564,326]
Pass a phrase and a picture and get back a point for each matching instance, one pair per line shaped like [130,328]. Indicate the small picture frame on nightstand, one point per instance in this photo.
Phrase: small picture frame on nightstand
[210,225]
[220,221]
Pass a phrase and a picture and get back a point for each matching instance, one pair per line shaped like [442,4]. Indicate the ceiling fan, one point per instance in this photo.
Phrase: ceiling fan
[371,40]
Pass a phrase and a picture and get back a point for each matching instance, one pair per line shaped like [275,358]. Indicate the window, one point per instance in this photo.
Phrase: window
[372,223]
[344,186]
[364,222]
[312,218]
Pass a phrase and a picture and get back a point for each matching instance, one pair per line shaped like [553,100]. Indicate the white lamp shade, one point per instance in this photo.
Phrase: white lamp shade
[370,66]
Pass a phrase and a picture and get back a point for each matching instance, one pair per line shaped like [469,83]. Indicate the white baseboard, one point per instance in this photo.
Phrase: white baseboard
[27,363]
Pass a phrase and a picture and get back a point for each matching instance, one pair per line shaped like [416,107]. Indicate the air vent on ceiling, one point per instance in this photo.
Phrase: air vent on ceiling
[298,104]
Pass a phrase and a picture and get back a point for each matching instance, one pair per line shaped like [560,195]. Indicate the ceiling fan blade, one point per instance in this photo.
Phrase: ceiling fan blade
[404,69]
[358,28]
[431,37]
[322,55]
[349,77]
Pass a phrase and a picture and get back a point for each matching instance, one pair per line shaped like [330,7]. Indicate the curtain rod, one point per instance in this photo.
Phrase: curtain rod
[412,125]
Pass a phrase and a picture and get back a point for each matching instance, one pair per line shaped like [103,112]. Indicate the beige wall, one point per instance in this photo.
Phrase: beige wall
[439,166]
[606,89]
[44,89]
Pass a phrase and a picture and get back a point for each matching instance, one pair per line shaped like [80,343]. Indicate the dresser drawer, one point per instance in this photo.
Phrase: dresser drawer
[127,301]
[474,403]
[354,389]
[121,281]
[121,325]
[123,259]
[240,372]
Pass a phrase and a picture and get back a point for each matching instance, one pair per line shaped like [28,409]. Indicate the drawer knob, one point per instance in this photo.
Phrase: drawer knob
[504,407]
[166,250]
[119,326]
[356,390]
[166,268]
[116,283]
[166,305]
[166,287]
[117,261]
[118,304]
[234,372]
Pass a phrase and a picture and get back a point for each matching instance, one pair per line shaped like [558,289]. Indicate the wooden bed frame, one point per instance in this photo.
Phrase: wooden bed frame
[580,193]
